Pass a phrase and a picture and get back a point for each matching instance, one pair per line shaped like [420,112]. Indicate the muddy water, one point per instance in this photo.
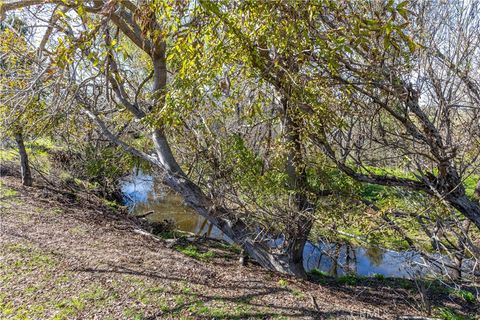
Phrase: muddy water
[142,194]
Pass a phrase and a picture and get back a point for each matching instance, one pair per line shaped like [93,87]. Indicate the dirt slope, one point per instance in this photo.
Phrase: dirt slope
[69,258]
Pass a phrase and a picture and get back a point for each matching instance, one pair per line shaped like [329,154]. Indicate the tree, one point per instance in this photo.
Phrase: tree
[94,46]
[14,66]
[356,85]
[243,102]
[362,77]
[416,100]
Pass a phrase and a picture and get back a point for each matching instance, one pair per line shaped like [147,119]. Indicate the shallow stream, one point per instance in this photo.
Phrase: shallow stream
[143,194]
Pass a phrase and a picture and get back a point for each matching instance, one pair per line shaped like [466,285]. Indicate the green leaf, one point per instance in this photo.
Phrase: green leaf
[402,5]
[386,43]
[408,40]
[371,22]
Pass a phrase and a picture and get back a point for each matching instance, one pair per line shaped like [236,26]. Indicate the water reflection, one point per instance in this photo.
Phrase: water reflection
[375,254]
[142,194]
[340,259]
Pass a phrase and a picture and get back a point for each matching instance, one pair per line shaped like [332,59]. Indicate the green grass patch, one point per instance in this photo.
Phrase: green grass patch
[350,279]
[298,294]
[282,283]
[8,155]
[42,143]
[68,308]
[467,296]
[133,313]
[7,193]
[379,276]
[23,259]
[450,314]
[233,248]
[223,310]
[318,273]
[196,253]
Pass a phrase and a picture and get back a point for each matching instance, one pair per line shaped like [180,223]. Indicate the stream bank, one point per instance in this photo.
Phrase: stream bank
[143,194]
[80,260]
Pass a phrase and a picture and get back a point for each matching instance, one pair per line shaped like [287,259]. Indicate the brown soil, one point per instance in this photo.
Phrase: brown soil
[66,257]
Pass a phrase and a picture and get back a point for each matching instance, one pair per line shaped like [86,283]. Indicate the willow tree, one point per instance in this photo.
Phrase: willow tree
[388,91]
[232,82]
[90,45]
[412,104]
[413,99]
[376,80]
[279,44]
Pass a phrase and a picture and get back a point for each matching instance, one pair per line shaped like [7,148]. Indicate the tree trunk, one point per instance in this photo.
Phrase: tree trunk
[289,261]
[467,207]
[24,164]
[297,179]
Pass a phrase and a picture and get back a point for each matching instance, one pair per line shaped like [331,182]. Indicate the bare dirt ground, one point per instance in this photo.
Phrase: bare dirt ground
[64,257]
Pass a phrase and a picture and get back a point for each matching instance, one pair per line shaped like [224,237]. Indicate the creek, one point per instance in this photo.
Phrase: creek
[141,193]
